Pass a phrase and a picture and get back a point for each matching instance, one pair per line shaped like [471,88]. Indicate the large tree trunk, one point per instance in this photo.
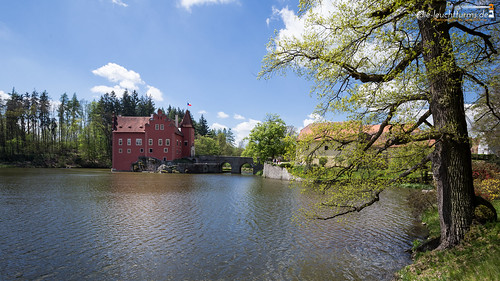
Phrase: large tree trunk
[451,162]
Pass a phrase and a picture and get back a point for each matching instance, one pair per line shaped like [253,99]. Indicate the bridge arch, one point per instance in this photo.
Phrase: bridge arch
[235,162]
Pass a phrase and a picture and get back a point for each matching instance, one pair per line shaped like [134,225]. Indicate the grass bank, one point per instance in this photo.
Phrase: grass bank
[476,258]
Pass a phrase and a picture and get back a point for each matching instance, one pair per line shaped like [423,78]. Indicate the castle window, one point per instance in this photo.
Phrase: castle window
[150,150]
[167,142]
[129,141]
[185,143]
[150,141]
[129,151]
[161,127]
[165,150]
[138,142]
[142,150]
[160,142]
[156,127]
[120,141]
[120,150]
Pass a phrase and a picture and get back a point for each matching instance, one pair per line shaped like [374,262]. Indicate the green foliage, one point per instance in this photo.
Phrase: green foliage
[206,146]
[322,161]
[217,142]
[202,128]
[381,64]
[267,140]
[476,258]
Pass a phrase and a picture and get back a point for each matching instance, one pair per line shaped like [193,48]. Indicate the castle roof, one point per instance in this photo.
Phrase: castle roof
[186,121]
[131,124]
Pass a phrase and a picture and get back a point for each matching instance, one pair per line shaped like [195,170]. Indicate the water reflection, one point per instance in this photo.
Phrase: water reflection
[91,224]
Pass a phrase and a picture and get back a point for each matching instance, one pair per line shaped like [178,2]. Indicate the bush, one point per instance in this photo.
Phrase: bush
[489,189]
[482,170]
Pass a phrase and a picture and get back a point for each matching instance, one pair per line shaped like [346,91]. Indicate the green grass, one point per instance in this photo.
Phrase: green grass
[476,258]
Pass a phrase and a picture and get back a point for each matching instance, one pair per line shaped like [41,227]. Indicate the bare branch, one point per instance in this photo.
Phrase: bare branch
[485,37]
[486,94]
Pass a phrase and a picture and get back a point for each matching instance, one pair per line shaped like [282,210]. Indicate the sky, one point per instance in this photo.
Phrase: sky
[205,52]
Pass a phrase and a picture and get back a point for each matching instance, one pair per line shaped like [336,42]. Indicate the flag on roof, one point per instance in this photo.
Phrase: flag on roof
[189,104]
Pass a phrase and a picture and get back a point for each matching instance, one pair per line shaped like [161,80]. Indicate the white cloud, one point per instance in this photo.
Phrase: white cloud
[115,73]
[217,126]
[106,89]
[294,26]
[238,117]
[313,117]
[187,4]
[202,112]
[4,96]
[154,93]
[120,3]
[243,129]
[268,20]
[126,79]
[222,115]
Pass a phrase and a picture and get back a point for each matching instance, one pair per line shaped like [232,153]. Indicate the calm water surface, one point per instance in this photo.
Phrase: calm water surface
[97,225]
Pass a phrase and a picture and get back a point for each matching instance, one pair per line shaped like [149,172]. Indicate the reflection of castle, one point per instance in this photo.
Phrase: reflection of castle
[155,136]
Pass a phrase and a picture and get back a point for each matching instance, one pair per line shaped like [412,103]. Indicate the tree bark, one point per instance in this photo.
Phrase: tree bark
[451,160]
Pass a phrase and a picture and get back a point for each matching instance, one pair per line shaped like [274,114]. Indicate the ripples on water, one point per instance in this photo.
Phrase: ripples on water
[96,225]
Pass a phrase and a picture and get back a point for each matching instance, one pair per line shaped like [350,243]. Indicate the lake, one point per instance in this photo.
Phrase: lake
[80,224]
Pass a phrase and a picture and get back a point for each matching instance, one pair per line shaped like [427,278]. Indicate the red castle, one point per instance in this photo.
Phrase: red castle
[156,136]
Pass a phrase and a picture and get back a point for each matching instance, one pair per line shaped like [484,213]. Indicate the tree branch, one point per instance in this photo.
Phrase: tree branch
[485,37]
[486,94]
[352,209]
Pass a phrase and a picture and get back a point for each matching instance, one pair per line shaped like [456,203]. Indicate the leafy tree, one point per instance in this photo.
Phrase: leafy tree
[266,140]
[206,146]
[394,63]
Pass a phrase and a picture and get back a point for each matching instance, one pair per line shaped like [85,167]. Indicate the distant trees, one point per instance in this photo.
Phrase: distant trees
[73,131]
[217,142]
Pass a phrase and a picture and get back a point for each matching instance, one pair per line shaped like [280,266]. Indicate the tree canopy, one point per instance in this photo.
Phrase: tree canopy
[407,66]
[266,139]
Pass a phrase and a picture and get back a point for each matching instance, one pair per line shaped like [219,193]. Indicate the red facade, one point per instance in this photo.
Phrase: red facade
[155,136]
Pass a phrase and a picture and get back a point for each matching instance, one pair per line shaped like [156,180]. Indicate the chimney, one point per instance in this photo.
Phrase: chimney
[176,120]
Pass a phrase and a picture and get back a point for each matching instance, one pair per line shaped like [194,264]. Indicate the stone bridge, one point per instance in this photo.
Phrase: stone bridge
[215,163]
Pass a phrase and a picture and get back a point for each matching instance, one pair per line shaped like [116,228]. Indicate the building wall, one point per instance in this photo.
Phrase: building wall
[125,154]
[188,141]
[161,138]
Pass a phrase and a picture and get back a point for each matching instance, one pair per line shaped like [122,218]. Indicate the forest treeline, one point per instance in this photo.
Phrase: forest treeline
[40,132]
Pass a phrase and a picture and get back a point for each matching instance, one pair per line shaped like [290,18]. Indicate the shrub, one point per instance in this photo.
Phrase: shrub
[483,214]
[489,189]
[482,170]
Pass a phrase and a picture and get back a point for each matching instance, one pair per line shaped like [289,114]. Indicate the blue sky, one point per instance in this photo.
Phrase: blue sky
[206,52]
